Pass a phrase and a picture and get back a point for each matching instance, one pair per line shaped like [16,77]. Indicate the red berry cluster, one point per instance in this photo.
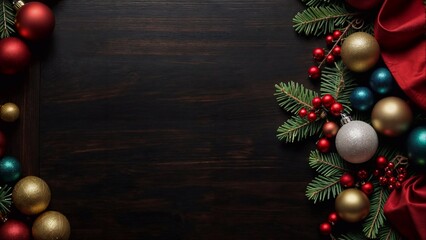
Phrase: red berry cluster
[326,102]
[347,180]
[326,227]
[389,175]
[321,57]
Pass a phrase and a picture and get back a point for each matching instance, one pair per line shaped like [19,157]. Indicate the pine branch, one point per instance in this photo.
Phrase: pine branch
[296,129]
[323,188]
[339,82]
[327,164]
[321,20]
[387,233]
[317,3]
[376,218]
[5,199]
[7,19]
[293,96]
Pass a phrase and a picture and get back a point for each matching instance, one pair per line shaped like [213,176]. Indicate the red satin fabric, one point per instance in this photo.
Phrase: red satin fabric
[400,29]
[406,209]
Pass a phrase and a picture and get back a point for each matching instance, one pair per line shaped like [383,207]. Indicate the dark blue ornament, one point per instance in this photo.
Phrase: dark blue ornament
[416,146]
[381,81]
[362,98]
[10,169]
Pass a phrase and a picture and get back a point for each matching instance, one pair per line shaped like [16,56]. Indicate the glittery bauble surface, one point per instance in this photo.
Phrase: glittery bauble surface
[35,21]
[9,112]
[51,225]
[14,230]
[381,81]
[356,142]
[360,52]
[14,56]
[352,205]
[391,116]
[31,195]
[362,98]
[416,146]
[10,169]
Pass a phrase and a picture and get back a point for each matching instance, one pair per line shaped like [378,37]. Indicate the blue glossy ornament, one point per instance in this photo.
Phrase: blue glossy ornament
[381,81]
[10,169]
[416,146]
[362,98]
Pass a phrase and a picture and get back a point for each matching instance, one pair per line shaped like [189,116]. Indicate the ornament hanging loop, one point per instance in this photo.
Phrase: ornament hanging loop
[357,23]
[400,160]
[18,4]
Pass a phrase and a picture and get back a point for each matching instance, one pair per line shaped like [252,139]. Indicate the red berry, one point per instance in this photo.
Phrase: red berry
[381,162]
[337,34]
[362,174]
[391,165]
[329,40]
[367,188]
[316,102]
[325,228]
[330,59]
[336,51]
[323,145]
[398,185]
[336,109]
[376,172]
[318,54]
[401,177]
[327,100]
[392,180]
[383,181]
[303,112]
[389,173]
[333,217]
[391,187]
[401,170]
[314,72]
[347,180]
[312,116]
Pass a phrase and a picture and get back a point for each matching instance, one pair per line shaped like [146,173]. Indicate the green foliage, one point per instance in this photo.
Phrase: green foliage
[387,233]
[317,3]
[323,188]
[376,218]
[5,199]
[327,164]
[296,129]
[293,96]
[7,19]
[321,20]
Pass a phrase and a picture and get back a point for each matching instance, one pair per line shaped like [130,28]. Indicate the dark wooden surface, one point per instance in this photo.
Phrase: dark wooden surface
[157,120]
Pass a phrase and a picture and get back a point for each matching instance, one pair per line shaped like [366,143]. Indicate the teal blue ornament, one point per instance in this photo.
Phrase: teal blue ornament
[416,146]
[381,81]
[362,98]
[10,169]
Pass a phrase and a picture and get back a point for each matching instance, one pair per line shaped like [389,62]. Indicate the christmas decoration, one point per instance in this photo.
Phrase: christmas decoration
[14,230]
[329,129]
[327,100]
[323,145]
[14,56]
[316,102]
[381,81]
[336,109]
[347,180]
[356,141]
[325,228]
[51,225]
[10,169]
[31,195]
[318,54]
[9,112]
[360,52]
[367,188]
[333,217]
[34,20]
[416,146]
[391,116]
[362,99]
[352,205]
[7,19]
[314,72]
[5,200]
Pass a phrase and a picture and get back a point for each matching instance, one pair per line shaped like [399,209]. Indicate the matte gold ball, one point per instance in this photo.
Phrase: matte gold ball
[9,112]
[352,205]
[31,195]
[391,116]
[360,52]
[51,225]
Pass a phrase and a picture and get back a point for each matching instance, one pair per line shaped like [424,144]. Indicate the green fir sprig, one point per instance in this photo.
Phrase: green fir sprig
[387,233]
[317,3]
[376,217]
[323,188]
[5,199]
[297,128]
[328,164]
[293,96]
[7,19]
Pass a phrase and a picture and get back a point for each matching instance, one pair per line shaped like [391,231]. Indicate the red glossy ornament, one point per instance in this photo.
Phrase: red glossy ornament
[14,56]
[402,170]
[364,4]
[314,72]
[383,181]
[14,230]
[336,51]
[318,54]
[391,187]
[329,59]
[327,100]
[329,40]
[2,143]
[389,173]
[381,162]
[337,34]
[336,109]
[392,180]
[376,172]
[333,217]
[323,145]
[347,180]
[35,21]
[367,188]
[329,129]
[401,177]
[303,112]
[316,102]
[398,185]
[362,174]
[391,165]
[312,116]
[325,228]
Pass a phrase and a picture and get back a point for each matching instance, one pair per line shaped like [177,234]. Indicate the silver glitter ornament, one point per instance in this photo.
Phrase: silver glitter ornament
[356,141]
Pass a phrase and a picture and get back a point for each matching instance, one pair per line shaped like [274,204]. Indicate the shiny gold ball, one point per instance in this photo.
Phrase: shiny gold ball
[352,205]
[360,52]
[9,112]
[391,116]
[31,195]
[51,225]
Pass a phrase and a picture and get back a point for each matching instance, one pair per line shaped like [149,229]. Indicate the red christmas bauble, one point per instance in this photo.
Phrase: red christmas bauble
[333,217]
[362,174]
[330,59]
[329,40]
[316,102]
[312,116]
[14,56]
[347,180]
[14,230]
[364,4]
[323,145]
[337,34]
[318,54]
[336,51]
[367,188]
[381,162]
[303,112]
[314,72]
[329,129]
[35,21]
[325,228]
[336,109]
[327,100]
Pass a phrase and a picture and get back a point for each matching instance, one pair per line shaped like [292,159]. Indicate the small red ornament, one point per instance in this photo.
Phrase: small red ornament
[337,34]
[388,173]
[316,102]
[303,112]
[392,180]
[330,59]
[336,51]
[314,72]
[318,54]
[401,177]
[376,172]
[327,100]
[333,217]
[347,180]
[14,230]
[14,56]
[367,188]
[398,185]
[325,228]
[402,170]
[391,165]
[381,162]
[383,181]
[329,40]
[312,116]
[329,129]
[323,145]
[336,109]
[35,21]
[362,174]
[391,187]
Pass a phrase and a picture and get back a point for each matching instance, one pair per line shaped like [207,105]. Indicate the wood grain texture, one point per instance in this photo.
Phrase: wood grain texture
[158,120]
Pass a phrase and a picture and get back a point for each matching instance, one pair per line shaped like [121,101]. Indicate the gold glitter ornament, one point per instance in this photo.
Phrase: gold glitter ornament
[360,52]
[9,112]
[31,195]
[391,116]
[352,205]
[51,225]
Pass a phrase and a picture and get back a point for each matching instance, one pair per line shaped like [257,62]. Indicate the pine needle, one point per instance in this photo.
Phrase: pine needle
[327,164]
[5,199]
[323,188]
[293,96]
[296,129]
[376,218]
[317,3]
[7,19]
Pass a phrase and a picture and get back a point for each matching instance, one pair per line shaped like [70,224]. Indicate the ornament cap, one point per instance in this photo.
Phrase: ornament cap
[18,4]
[345,119]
